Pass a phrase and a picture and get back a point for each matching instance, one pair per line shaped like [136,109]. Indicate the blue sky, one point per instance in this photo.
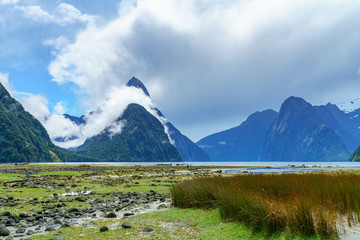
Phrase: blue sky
[25,56]
[208,64]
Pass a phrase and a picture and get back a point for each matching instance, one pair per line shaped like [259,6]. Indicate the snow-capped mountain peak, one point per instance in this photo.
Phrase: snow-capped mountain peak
[350,106]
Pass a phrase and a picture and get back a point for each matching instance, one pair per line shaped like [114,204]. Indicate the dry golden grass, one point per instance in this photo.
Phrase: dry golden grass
[306,204]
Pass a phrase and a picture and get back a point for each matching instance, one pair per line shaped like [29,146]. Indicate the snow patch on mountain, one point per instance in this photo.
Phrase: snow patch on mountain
[350,106]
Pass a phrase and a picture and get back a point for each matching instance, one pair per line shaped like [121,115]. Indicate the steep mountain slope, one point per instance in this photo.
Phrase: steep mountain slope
[298,134]
[142,138]
[355,157]
[24,139]
[241,143]
[134,82]
[188,150]
[343,123]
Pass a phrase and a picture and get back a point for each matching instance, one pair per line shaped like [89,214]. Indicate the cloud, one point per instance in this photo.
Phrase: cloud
[66,14]
[60,108]
[37,14]
[9,1]
[4,80]
[101,116]
[212,57]
[37,105]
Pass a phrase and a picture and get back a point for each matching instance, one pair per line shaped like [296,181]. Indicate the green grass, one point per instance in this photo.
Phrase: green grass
[62,173]
[144,185]
[171,224]
[305,204]
[10,177]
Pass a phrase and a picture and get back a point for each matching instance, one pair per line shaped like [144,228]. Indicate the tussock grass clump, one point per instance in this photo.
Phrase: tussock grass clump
[306,204]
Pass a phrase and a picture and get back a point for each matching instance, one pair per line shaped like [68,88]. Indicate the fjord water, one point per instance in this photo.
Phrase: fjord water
[251,167]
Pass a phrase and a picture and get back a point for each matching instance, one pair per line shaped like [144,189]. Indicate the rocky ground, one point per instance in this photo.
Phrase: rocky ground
[38,199]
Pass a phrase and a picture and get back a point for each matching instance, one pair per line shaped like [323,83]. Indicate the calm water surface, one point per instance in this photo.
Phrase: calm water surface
[252,167]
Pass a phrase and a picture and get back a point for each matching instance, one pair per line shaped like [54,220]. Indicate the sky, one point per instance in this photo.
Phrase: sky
[208,64]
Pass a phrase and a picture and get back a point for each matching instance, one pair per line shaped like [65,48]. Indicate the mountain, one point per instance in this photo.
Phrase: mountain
[188,150]
[24,139]
[241,143]
[345,124]
[298,134]
[355,157]
[76,120]
[350,106]
[352,110]
[142,139]
[134,82]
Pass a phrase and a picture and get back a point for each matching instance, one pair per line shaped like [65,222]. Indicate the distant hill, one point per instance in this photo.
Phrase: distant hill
[142,139]
[298,134]
[241,143]
[345,124]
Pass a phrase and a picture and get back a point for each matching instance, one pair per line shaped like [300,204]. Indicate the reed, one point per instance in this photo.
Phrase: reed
[310,204]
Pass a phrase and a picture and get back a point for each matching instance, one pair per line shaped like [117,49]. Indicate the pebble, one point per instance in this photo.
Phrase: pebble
[126,225]
[104,229]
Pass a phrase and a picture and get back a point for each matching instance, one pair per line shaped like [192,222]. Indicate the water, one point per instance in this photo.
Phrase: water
[250,167]
[235,164]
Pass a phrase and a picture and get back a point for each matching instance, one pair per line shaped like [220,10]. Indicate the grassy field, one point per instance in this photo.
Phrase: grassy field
[304,204]
[176,223]
[278,206]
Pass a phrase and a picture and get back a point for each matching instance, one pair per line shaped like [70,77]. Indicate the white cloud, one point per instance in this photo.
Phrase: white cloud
[37,105]
[70,14]
[66,14]
[57,43]
[100,116]
[195,50]
[60,108]
[37,14]
[9,1]
[4,80]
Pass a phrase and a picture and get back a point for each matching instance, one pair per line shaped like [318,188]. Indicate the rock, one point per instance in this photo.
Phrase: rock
[162,206]
[23,215]
[5,214]
[4,231]
[72,210]
[147,230]
[59,238]
[65,225]
[20,230]
[49,229]
[111,215]
[58,222]
[104,229]
[128,214]
[126,225]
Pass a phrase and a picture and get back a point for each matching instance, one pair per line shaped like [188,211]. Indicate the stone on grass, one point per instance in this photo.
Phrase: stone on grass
[104,229]
[111,215]
[147,230]
[126,225]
